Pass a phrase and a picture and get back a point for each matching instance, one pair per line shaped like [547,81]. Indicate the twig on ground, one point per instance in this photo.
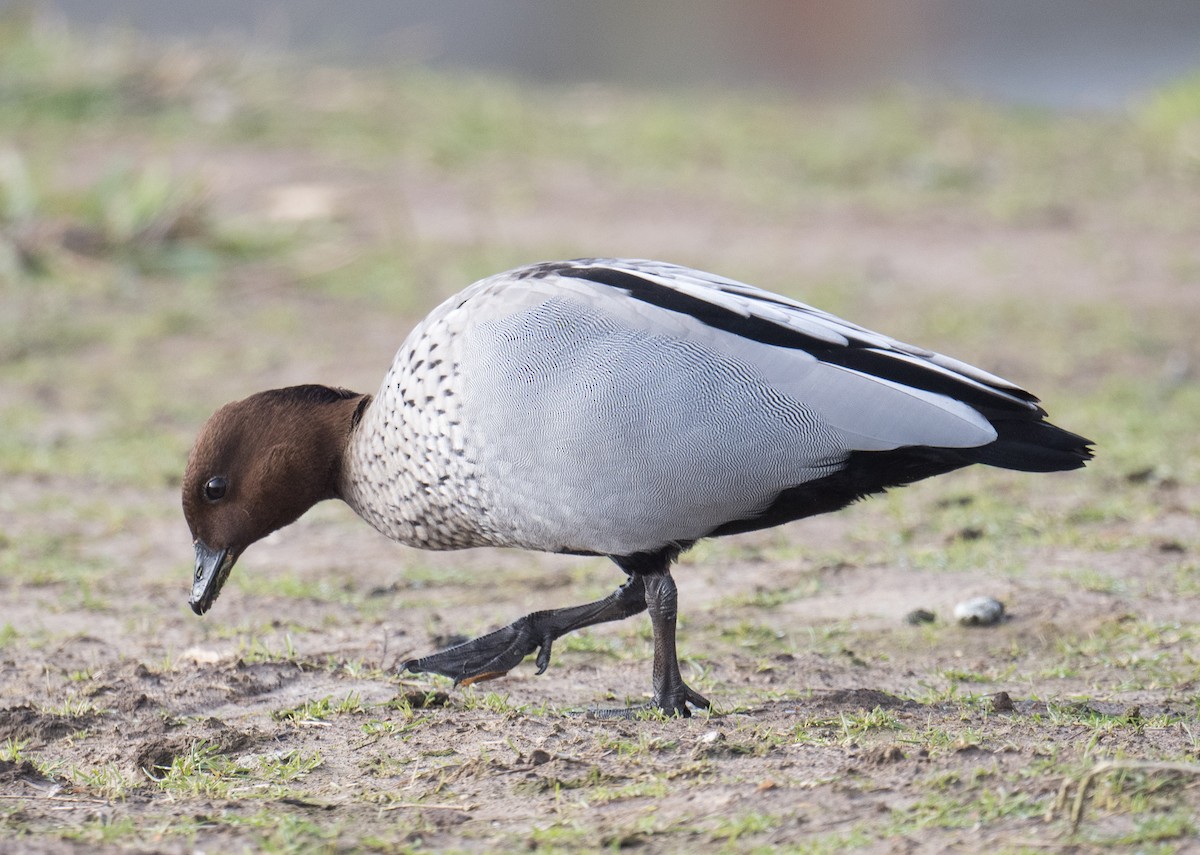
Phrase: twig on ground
[1102,768]
[82,801]
[402,805]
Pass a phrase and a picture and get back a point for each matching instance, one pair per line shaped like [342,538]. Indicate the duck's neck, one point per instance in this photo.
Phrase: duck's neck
[337,434]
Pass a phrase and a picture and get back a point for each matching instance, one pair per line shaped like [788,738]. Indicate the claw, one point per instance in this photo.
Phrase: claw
[695,699]
[677,704]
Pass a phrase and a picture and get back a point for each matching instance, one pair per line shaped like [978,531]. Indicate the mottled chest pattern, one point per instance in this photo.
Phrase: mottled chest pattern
[411,472]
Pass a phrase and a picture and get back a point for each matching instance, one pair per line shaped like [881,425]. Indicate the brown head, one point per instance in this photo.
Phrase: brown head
[257,465]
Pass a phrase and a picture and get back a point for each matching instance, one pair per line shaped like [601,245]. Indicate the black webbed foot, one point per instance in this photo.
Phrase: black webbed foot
[497,653]
[489,656]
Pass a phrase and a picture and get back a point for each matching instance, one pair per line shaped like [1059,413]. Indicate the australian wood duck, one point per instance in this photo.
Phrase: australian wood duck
[605,407]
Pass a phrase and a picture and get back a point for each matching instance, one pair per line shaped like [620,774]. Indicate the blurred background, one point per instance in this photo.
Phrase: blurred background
[189,190]
[1095,54]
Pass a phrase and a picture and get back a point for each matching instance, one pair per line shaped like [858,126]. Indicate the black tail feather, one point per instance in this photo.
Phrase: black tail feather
[1032,446]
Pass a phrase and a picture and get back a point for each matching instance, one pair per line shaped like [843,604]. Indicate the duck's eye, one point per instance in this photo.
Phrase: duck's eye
[214,490]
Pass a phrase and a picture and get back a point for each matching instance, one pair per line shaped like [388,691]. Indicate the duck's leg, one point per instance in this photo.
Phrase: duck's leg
[671,694]
[497,653]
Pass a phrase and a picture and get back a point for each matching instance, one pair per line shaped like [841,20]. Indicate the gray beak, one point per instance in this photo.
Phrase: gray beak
[212,569]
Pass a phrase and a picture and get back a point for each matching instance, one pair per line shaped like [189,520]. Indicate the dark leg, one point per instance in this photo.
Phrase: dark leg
[497,653]
[671,694]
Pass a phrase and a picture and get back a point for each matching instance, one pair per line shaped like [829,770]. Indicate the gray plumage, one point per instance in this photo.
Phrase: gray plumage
[554,412]
[607,407]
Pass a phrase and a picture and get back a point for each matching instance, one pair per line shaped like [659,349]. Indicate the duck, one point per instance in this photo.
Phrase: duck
[624,408]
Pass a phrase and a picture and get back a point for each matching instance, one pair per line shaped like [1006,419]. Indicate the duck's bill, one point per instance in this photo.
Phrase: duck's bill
[212,569]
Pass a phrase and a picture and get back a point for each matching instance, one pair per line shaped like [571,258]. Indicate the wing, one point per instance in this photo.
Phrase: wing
[614,406]
[880,392]
[769,318]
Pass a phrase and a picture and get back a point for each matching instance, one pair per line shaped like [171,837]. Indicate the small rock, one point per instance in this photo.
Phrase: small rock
[962,746]
[1140,476]
[203,656]
[919,616]
[1001,702]
[714,744]
[881,755]
[419,700]
[979,611]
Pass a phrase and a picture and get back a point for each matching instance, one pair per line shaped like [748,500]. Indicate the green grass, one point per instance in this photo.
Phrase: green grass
[73,707]
[321,709]
[846,727]
[205,771]
[8,635]
[12,749]
[894,153]
[107,781]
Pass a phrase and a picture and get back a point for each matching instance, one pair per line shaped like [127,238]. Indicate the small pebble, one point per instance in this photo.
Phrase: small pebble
[1002,702]
[979,611]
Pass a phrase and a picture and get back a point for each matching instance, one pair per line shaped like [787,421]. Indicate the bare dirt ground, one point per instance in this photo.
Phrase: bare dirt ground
[278,723]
